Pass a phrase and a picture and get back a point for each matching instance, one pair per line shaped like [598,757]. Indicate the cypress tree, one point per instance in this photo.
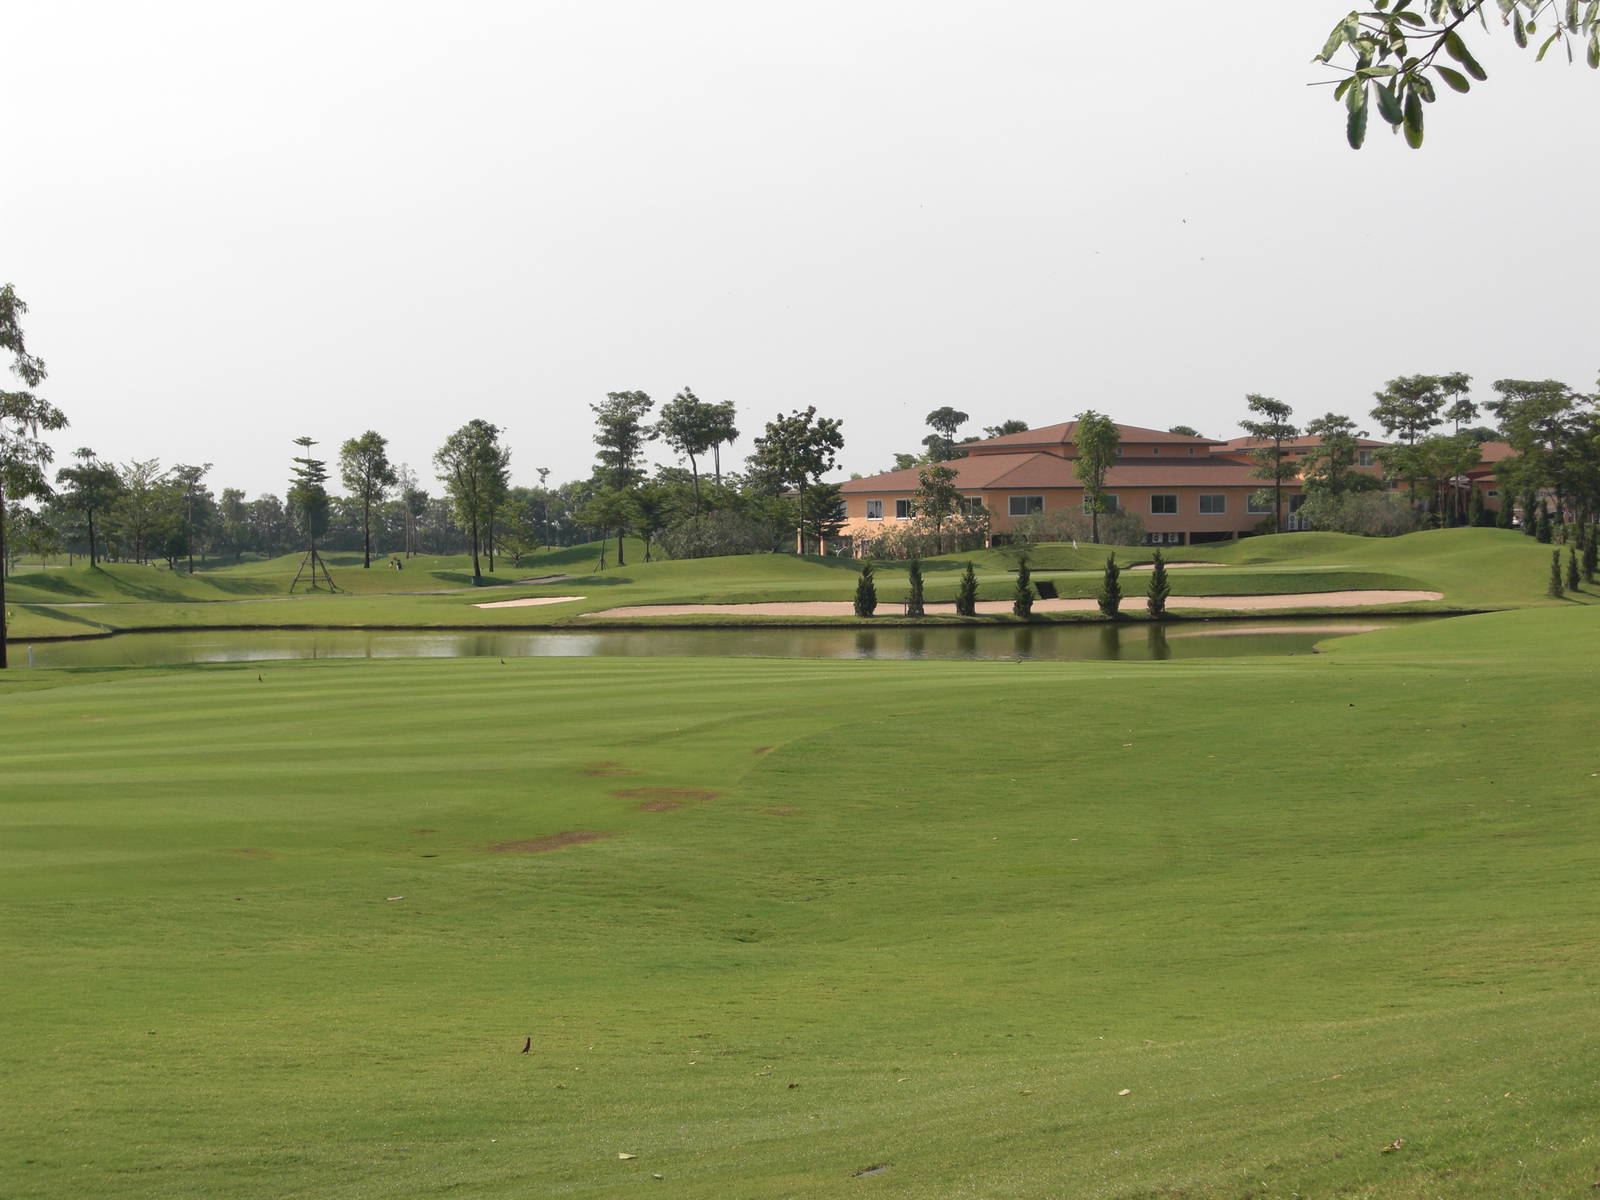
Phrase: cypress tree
[1554,591]
[1503,514]
[914,598]
[1589,556]
[1160,589]
[1530,519]
[1572,569]
[1544,532]
[1110,598]
[1475,513]
[866,593]
[1022,598]
[967,597]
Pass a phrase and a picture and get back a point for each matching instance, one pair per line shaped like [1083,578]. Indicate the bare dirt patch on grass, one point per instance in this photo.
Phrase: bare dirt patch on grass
[782,810]
[253,852]
[665,799]
[555,841]
[606,768]
[762,750]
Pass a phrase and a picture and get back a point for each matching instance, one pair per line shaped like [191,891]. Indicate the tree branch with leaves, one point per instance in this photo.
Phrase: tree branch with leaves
[1391,55]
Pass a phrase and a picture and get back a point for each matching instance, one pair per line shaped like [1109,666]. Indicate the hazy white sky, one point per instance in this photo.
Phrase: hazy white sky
[236,225]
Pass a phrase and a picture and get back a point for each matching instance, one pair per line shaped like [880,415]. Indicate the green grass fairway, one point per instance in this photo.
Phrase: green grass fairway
[1475,569]
[281,931]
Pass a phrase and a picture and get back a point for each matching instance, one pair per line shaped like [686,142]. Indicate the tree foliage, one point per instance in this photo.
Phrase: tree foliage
[691,427]
[1022,594]
[368,475]
[1271,425]
[1110,598]
[1392,55]
[797,450]
[23,417]
[941,443]
[1005,427]
[914,603]
[967,593]
[866,597]
[91,488]
[1097,438]
[1329,466]
[472,466]
[1160,588]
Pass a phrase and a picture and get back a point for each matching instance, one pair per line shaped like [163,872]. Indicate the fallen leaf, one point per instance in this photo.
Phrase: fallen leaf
[625,1157]
[394,897]
[1393,1146]
[1125,1092]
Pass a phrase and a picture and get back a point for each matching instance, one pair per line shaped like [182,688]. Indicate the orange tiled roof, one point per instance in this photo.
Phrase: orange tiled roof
[1305,442]
[1067,432]
[1040,470]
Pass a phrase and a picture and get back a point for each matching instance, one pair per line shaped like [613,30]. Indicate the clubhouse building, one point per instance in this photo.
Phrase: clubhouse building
[1185,489]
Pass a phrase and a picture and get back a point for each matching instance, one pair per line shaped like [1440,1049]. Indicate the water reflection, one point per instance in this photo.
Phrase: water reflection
[1022,641]
[1156,646]
[1111,642]
[1129,641]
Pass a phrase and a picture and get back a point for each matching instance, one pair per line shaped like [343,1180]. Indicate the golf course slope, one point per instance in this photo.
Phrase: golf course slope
[1468,570]
[1205,928]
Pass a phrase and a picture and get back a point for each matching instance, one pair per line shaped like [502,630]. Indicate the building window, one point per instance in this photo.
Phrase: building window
[874,510]
[1164,505]
[902,510]
[1492,493]
[1023,506]
[1154,450]
[1108,502]
[1191,451]
[1213,504]
[1258,506]
[972,506]
[1363,458]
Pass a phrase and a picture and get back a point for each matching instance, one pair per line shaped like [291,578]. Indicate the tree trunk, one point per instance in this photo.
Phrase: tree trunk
[93,560]
[716,461]
[1094,518]
[366,534]
[620,561]
[477,574]
[489,544]
[695,473]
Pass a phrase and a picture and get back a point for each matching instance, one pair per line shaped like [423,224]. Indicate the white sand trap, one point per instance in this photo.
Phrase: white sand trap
[1171,566]
[529,602]
[843,608]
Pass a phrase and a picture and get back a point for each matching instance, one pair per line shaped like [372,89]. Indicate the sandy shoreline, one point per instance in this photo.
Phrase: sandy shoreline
[843,608]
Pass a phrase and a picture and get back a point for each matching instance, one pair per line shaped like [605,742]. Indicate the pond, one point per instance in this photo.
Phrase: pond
[1133,642]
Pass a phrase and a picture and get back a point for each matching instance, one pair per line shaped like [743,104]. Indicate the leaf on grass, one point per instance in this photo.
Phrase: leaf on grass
[625,1157]
[1125,1092]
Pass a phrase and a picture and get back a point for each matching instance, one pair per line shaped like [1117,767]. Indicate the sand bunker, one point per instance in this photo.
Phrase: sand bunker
[843,608]
[1171,566]
[529,602]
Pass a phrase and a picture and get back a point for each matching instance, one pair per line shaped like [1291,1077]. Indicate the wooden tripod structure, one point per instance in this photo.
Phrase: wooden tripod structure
[313,560]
